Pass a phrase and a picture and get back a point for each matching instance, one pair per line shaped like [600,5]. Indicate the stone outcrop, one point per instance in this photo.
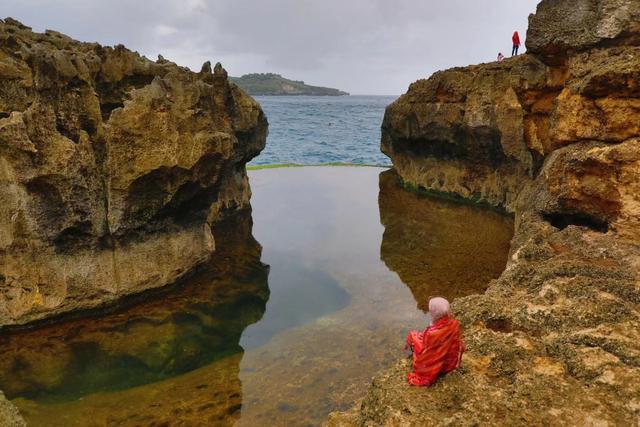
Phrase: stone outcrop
[9,415]
[553,137]
[563,28]
[113,169]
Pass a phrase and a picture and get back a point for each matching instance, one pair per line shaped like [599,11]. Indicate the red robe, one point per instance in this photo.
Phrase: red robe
[437,350]
[516,39]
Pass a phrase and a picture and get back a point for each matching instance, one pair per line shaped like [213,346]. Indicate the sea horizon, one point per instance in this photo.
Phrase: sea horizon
[316,130]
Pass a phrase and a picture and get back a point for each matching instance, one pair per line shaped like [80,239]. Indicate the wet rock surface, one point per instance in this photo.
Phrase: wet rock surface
[551,136]
[113,169]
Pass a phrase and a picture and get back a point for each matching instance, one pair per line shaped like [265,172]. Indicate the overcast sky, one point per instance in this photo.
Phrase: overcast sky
[361,46]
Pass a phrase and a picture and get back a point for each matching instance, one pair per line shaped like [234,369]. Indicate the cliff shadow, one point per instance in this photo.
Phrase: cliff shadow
[440,247]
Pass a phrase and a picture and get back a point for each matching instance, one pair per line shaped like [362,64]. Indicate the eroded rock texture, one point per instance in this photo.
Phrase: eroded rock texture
[113,168]
[553,137]
[9,415]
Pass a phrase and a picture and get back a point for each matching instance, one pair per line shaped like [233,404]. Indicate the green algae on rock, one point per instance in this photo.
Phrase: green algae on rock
[553,137]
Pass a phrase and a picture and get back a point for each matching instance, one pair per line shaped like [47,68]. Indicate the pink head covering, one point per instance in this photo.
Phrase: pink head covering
[438,307]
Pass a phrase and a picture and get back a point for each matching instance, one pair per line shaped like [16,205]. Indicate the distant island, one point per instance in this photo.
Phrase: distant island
[274,84]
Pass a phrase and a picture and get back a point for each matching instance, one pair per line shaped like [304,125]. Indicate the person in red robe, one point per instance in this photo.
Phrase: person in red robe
[516,43]
[438,349]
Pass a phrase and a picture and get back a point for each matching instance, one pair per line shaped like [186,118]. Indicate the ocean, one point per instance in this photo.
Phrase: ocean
[310,130]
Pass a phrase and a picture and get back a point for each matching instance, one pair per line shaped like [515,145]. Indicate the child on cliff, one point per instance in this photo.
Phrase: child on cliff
[438,349]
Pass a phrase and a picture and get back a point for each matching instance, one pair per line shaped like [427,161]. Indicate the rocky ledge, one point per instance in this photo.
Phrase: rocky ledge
[9,414]
[553,137]
[113,169]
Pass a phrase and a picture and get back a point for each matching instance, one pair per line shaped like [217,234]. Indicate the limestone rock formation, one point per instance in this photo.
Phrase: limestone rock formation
[9,415]
[113,168]
[562,28]
[552,136]
[463,130]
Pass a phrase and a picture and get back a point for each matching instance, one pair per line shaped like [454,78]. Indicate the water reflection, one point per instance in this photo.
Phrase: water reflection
[181,346]
[321,232]
[332,220]
[302,295]
[437,247]
[212,354]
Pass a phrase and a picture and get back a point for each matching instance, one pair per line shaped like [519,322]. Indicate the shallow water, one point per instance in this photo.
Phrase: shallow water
[228,347]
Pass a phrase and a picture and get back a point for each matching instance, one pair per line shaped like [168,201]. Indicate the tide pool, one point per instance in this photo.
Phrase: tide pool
[282,329]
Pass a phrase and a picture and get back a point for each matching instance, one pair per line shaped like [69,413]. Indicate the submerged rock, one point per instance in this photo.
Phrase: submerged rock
[553,137]
[113,169]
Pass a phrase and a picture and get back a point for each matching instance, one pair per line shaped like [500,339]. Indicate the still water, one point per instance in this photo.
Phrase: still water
[353,258]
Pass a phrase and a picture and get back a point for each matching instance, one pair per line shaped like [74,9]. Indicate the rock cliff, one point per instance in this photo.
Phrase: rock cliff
[113,169]
[553,137]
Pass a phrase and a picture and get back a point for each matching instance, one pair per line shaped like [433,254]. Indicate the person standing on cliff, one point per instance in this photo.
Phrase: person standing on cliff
[516,43]
[438,349]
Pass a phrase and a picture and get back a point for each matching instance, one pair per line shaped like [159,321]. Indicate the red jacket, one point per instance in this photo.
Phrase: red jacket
[438,350]
[516,39]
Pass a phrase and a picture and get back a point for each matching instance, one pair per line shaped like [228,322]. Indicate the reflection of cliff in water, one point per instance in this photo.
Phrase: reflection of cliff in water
[439,247]
[174,357]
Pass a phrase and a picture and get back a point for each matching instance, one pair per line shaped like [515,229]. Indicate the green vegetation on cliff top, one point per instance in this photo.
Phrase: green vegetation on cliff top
[275,84]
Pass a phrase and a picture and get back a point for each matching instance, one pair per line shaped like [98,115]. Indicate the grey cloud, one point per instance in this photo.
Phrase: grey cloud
[362,46]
